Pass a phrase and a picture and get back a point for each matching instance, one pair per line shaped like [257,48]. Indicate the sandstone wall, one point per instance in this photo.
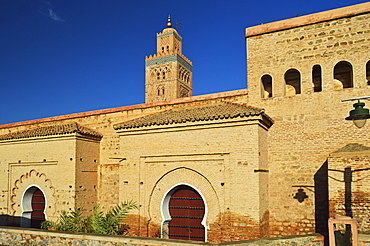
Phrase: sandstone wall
[308,126]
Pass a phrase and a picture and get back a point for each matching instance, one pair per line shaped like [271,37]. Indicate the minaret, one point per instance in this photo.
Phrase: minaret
[168,74]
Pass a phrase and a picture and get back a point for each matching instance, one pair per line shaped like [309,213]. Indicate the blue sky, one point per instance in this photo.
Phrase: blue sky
[66,56]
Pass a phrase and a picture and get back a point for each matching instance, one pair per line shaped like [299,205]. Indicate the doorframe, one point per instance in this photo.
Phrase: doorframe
[165,211]
[26,204]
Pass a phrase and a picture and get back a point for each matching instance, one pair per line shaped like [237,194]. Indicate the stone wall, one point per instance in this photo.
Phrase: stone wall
[308,126]
[16,236]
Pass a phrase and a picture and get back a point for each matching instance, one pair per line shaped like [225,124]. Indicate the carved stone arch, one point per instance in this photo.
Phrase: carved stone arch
[21,185]
[183,175]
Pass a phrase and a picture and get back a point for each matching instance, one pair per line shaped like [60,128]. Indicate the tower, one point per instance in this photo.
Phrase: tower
[168,73]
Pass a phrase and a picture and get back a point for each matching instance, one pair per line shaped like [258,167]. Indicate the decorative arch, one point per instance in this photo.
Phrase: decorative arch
[292,82]
[343,75]
[32,179]
[266,86]
[175,177]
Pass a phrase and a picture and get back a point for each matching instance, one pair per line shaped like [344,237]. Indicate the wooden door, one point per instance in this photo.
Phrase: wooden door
[187,211]
[38,207]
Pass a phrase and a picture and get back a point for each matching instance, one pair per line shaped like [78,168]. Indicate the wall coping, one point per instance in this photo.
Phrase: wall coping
[308,19]
[130,107]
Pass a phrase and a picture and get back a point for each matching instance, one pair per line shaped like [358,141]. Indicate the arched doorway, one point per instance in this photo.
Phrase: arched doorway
[186,210]
[33,206]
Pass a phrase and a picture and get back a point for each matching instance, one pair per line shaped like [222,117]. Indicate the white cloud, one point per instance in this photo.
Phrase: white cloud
[53,16]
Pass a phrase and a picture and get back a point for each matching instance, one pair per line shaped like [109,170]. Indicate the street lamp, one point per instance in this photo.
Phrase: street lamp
[359,115]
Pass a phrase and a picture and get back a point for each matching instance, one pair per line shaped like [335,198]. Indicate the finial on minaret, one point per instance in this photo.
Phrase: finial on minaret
[169,24]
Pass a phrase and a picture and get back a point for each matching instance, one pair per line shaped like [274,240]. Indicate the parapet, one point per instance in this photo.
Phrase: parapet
[163,54]
[308,19]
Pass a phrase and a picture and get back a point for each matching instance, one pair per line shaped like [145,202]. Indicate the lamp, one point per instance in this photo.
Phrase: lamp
[359,115]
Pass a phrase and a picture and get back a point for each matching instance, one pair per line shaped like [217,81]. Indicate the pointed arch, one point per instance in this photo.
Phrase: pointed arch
[175,177]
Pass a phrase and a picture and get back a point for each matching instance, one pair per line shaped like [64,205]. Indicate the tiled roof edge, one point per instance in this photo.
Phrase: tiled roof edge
[131,107]
[125,125]
[57,129]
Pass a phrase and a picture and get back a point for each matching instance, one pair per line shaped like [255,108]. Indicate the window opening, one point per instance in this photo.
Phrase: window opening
[266,86]
[343,75]
[292,82]
[317,78]
[368,72]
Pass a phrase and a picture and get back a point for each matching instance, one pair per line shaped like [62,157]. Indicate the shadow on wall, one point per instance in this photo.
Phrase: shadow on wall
[322,201]
[16,221]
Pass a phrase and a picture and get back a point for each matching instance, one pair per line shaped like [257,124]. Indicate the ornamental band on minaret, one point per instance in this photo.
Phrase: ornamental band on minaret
[168,73]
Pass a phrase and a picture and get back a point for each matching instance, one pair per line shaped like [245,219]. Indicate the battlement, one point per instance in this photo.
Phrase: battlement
[170,31]
[164,54]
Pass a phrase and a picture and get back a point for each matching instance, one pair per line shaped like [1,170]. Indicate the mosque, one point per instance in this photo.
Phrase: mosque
[277,158]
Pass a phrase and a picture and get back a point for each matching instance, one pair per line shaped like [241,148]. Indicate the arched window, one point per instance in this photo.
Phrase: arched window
[184,211]
[343,75]
[33,207]
[292,82]
[317,78]
[368,72]
[266,86]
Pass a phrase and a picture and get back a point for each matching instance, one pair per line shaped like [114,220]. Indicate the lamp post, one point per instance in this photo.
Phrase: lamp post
[359,115]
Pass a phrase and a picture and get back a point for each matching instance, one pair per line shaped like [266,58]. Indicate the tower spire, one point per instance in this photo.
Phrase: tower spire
[169,24]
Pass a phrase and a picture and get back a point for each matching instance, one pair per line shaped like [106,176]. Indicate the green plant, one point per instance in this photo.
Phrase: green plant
[111,223]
